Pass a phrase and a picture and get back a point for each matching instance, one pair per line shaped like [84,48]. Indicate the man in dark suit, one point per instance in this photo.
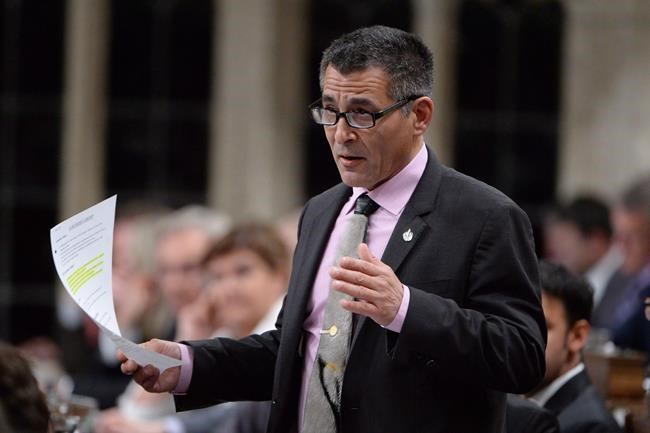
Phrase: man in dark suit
[566,390]
[444,291]
[579,235]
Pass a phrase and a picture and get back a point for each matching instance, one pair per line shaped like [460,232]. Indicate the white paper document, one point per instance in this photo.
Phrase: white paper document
[82,249]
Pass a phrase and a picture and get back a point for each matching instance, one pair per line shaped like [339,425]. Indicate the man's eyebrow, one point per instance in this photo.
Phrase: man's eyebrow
[360,100]
[354,100]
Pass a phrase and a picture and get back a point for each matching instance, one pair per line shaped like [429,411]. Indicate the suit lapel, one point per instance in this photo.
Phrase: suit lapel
[314,236]
[318,232]
[568,393]
[411,221]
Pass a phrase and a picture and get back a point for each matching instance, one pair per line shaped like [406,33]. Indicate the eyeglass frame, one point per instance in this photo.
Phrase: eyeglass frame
[375,116]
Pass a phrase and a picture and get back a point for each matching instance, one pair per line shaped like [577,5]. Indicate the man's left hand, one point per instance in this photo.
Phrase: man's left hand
[376,290]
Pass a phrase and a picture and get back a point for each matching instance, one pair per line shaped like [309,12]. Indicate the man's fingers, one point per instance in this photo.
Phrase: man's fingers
[147,377]
[355,291]
[357,266]
[349,276]
[359,307]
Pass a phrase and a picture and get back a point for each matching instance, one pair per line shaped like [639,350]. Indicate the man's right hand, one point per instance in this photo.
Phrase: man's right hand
[148,376]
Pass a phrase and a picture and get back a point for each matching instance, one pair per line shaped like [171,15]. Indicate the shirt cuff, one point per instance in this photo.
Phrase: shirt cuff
[186,370]
[398,321]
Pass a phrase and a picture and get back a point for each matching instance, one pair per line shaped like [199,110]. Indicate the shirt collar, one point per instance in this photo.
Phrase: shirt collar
[542,396]
[393,194]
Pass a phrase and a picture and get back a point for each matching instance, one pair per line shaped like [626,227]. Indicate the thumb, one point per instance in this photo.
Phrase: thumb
[365,254]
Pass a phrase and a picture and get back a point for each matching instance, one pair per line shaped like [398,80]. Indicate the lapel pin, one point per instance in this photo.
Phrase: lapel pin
[407,235]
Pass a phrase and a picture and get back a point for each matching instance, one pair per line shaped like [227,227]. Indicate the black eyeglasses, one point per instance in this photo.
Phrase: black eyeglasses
[356,119]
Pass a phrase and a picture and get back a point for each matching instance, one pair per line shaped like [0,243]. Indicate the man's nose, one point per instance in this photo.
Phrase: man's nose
[343,132]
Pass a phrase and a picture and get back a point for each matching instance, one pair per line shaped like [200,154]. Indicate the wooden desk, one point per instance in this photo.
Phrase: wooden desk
[619,378]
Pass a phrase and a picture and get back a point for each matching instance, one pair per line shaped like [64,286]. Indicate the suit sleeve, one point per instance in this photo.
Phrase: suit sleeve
[231,370]
[493,334]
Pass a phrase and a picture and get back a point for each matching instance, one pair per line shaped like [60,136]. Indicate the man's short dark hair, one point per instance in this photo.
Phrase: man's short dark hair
[402,55]
[589,214]
[571,289]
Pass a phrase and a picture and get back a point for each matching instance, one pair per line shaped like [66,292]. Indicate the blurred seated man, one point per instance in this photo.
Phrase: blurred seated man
[579,236]
[183,239]
[245,275]
[566,390]
[22,404]
[631,219]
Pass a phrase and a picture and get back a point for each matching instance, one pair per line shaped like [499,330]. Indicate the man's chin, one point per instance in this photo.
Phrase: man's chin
[353,179]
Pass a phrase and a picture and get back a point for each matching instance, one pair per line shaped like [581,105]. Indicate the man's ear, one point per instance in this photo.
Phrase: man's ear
[577,338]
[423,109]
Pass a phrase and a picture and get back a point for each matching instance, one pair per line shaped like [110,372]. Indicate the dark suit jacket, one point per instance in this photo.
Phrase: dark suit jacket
[474,329]
[580,409]
[524,416]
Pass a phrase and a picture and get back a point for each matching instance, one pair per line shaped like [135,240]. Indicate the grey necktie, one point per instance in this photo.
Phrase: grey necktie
[322,406]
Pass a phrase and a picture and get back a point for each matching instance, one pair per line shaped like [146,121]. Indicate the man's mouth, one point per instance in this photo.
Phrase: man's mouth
[349,160]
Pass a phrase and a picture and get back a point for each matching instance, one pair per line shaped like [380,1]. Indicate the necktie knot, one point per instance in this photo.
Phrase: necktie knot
[365,205]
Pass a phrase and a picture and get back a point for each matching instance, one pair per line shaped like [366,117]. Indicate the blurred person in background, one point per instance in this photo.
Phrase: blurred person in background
[180,241]
[248,271]
[566,390]
[579,236]
[139,307]
[23,408]
[245,276]
[183,240]
[631,218]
